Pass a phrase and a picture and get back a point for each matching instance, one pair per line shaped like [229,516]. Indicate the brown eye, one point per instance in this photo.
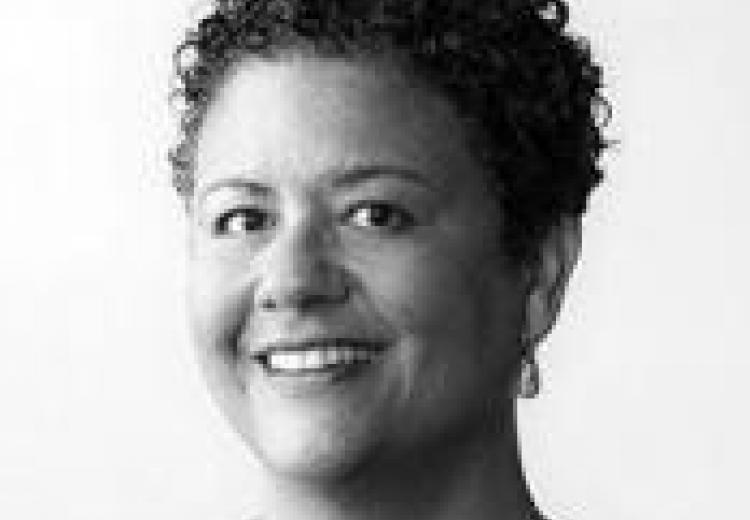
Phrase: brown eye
[385,215]
[241,221]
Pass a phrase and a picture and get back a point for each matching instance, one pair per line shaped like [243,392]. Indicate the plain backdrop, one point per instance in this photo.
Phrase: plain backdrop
[103,414]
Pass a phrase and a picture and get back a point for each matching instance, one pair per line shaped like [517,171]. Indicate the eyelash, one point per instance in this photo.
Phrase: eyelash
[404,219]
[396,218]
[222,224]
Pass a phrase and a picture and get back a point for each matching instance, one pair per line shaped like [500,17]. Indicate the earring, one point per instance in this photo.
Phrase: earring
[529,381]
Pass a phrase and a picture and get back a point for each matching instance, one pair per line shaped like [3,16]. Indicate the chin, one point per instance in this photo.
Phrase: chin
[317,457]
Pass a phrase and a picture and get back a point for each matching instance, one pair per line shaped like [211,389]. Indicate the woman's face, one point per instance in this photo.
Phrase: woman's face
[348,292]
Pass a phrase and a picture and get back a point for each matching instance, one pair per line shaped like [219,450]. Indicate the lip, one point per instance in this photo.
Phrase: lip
[308,384]
[304,344]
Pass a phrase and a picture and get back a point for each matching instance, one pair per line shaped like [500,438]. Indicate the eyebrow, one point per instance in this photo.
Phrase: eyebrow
[360,174]
[238,183]
[341,178]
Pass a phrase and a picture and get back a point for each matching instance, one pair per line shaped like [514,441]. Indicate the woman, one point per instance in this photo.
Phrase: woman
[384,201]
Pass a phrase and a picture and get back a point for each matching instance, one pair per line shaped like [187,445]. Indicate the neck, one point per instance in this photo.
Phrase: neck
[479,478]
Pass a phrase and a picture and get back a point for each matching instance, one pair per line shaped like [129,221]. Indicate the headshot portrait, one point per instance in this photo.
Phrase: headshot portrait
[374,260]
[384,204]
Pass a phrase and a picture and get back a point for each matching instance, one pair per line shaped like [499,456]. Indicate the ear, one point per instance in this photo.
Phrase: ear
[548,278]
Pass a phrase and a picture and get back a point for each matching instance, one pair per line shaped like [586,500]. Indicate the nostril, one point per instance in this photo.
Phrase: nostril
[345,293]
[303,298]
[267,304]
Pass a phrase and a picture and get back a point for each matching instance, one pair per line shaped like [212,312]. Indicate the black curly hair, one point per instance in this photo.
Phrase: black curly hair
[533,90]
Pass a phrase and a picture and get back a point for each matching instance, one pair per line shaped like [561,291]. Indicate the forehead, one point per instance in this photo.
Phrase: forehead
[297,117]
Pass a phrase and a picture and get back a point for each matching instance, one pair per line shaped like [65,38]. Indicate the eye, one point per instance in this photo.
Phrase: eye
[380,214]
[242,220]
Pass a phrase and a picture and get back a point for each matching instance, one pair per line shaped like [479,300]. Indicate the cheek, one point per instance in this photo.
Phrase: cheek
[450,303]
[457,321]
[218,305]
[423,295]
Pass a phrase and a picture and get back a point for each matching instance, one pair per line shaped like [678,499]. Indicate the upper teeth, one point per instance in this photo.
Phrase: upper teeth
[313,359]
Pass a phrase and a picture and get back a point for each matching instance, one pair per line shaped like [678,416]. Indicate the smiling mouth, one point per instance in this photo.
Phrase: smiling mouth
[319,356]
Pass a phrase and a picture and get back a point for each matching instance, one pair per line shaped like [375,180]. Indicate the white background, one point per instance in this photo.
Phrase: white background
[103,415]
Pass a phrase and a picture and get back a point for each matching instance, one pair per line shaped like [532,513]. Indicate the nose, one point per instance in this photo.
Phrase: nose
[302,272]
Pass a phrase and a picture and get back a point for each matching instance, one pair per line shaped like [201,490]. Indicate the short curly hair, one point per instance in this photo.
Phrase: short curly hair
[510,66]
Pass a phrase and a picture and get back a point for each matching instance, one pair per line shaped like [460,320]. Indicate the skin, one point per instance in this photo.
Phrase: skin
[362,212]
